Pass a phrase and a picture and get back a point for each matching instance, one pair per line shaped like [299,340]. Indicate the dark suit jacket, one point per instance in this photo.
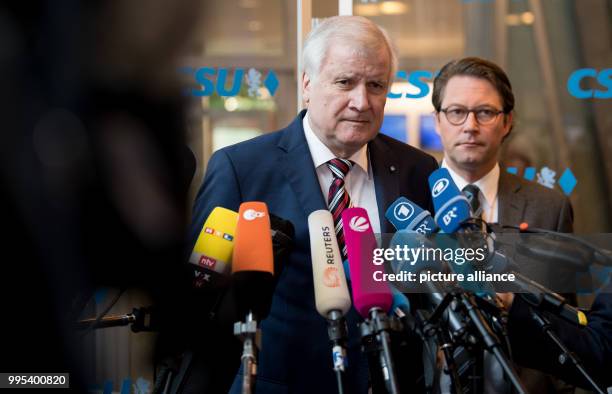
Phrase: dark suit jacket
[520,201]
[592,344]
[277,169]
[526,201]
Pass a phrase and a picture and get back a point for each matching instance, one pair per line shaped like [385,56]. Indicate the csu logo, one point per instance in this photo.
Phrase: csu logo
[205,77]
[416,79]
[359,224]
[576,86]
[439,187]
[403,211]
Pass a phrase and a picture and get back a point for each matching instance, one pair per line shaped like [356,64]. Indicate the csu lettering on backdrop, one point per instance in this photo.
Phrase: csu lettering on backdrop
[576,83]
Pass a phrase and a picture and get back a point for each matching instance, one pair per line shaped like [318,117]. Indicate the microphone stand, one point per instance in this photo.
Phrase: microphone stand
[566,354]
[140,319]
[490,340]
[378,326]
[247,331]
[337,332]
[431,327]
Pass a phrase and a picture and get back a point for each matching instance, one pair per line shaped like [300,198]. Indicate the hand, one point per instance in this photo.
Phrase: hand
[506,299]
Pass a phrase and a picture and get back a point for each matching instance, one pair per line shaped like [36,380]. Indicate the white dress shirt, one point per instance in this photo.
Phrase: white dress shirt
[359,182]
[488,186]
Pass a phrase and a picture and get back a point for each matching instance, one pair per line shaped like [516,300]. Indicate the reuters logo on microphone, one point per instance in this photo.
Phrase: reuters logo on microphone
[359,224]
[251,214]
[331,278]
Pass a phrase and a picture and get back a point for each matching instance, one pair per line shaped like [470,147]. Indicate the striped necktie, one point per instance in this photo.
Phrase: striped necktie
[338,198]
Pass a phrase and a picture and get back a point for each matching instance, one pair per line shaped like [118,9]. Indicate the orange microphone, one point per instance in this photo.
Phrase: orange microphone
[253,282]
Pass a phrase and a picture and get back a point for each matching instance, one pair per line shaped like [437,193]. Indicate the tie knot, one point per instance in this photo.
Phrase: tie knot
[339,167]
[471,192]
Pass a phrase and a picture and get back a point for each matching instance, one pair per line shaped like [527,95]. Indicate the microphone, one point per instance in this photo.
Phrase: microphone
[433,292]
[537,295]
[569,255]
[212,252]
[332,297]
[406,215]
[253,281]
[452,207]
[360,244]
[370,298]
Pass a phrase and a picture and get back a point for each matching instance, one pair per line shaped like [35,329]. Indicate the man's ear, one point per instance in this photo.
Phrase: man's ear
[508,123]
[306,84]
[437,122]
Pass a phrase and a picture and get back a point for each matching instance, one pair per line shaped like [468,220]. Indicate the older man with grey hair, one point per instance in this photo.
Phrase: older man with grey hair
[334,146]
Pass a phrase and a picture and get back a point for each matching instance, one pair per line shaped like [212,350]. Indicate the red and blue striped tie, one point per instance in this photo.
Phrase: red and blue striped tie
[338,198]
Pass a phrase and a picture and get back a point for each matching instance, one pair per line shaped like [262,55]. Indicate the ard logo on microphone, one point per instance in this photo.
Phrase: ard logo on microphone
[359,224]
[403,211]
[331,278]
[251,214]
[439,187]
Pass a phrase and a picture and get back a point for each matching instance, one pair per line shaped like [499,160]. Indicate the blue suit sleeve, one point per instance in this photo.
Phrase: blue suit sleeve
[220,188]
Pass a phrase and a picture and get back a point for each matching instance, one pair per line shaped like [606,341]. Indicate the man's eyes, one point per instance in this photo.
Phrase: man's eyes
[457,111]
[485,112]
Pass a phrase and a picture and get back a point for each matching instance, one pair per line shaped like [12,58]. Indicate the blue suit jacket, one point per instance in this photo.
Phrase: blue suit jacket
[277,169]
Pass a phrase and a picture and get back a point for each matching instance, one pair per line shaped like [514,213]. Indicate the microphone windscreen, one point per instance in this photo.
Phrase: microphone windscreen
[452,207]
[360,244]
[406,215]
[253,243]
[331,291]
[214,246]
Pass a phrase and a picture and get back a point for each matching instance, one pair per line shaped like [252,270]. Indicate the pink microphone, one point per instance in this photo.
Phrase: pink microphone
[371,298]
[360,245]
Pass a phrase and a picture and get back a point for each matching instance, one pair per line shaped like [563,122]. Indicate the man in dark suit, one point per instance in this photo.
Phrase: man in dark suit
[348,69]
[474,106]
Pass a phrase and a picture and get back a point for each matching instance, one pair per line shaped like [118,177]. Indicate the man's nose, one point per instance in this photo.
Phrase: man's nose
[359,98]
[471,123]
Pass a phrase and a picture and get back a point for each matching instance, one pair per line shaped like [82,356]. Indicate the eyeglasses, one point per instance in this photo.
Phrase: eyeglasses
[457,115]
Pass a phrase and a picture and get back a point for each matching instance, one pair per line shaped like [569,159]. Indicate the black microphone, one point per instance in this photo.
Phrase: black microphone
[537,295]
[577,253]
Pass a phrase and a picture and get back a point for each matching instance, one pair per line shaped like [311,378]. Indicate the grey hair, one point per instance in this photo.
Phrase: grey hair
[356,30]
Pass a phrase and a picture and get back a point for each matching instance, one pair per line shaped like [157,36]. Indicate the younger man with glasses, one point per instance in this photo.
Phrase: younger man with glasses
[474,106]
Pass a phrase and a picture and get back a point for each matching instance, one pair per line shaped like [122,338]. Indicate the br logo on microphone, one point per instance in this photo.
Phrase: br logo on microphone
[439,187]
[251,214]
[331,278]
[359,224]
[403,211]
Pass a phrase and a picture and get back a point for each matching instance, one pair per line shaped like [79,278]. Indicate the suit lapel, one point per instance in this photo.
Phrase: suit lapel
[385,179]
[511,203]
[297,166]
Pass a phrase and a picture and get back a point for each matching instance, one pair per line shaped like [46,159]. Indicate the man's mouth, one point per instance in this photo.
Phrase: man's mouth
[470,144]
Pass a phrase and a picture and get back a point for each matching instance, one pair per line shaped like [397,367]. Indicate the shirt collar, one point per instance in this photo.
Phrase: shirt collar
[321,154]
[488,184]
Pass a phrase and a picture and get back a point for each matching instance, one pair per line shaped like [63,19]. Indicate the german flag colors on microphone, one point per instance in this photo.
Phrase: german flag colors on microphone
[214,246]
[360,245]
[331,291]
[253,244]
